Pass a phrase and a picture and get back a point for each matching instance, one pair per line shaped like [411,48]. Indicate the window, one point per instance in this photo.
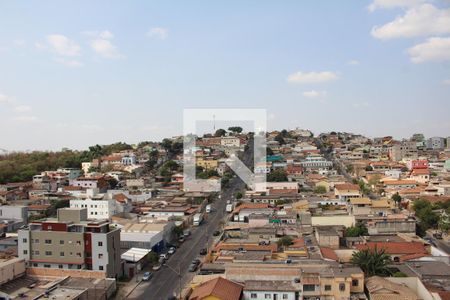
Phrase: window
[61,253]
[35,265]
[100,268]
[48,253]
[253,296]
[355,282]
[60,266]
[100,244]
[327,287]
[24,240]
[48,241]
[342,287]
[285,296]
[79,254]
[47,266]
[36,252]
[100,255]
[309,287]
[61,242]
[78,242]
[36,241]
[267,296]
[25,252]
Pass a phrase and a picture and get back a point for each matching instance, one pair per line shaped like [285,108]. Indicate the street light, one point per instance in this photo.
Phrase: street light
[179,277]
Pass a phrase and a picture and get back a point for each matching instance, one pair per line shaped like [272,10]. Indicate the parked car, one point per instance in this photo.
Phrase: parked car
[156,267]
[164,255]
[181,239]
[216,233]
[186,233]
[203,251]
[171,250]
[147,276]
[193,267]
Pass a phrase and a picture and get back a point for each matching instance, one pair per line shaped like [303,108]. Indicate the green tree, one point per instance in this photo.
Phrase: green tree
[372,262]
[285,241]
[397,199]
[239,195]
[320,189]
[235,129]
[177,230]
[358,230]
[277,176]
[220,132]
[279,138]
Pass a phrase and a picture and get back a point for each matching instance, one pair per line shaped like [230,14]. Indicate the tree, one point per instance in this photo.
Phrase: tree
[269,151]
[177,230]
[373,262]
[279,138]
[235,129]
[152,257]
[369,168]
[428,218]
[358,230]
[285,241]
[277,176]
[320,189]
[220,132]
[239,195]
[397,199]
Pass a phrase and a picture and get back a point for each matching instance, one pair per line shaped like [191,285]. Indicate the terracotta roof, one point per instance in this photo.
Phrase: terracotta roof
[395,247]
[251,206]
[383,289]
[420,172]
[38,206]
[412,256]
[220,288]
[121,198]
[329,253]
[400,182]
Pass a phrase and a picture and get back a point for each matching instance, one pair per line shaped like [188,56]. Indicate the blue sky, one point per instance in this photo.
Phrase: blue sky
[77,73]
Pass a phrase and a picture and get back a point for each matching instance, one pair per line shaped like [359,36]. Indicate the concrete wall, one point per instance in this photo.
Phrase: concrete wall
[345,220]
[11,269]
[65,272]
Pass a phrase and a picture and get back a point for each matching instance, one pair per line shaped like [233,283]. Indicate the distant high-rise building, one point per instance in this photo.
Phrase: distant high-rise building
[71,242]
[436,143]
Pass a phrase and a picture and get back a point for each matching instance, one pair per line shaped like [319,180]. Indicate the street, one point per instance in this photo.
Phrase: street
[166,282]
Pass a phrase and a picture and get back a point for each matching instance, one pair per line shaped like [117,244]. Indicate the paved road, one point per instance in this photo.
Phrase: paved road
[166,281]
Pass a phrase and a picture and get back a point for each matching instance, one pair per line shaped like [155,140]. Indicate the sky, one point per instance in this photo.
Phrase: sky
[79,73]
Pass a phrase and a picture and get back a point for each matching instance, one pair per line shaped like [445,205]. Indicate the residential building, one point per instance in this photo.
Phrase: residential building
[404,149]
[262,290]
[217,289]
[13,217]
[436,143]
[71,242]
[230,141]
[347,191]
[316,162]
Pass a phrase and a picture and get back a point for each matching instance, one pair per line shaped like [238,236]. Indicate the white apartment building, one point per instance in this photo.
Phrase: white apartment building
[230,141]
[97,209]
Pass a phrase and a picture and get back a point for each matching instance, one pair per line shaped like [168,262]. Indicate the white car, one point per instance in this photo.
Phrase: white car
[164,256]
[171,250]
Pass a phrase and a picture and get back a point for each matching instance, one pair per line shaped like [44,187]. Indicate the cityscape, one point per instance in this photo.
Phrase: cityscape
[239,150]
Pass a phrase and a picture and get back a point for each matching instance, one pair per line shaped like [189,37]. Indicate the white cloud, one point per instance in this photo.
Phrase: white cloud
[72,63]
[314,94]
[102,45]
[19,42]
[353,62]
[434,49]
[312,77]
[158,32]
[25,119]
[423,20]
[446,82]
[5,98]
[387,4]
[62,45]
[361,104]
[22,108]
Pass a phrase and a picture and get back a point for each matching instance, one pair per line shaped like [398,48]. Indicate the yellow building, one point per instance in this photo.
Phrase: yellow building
[207,164]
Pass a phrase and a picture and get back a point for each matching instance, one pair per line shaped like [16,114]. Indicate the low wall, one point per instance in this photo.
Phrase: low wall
[66,272]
